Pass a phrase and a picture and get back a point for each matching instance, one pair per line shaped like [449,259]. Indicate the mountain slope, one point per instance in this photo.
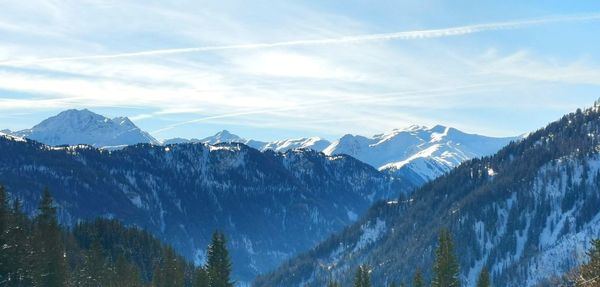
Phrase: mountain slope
[72,127]
[417,153]
[271,205]
[527,212]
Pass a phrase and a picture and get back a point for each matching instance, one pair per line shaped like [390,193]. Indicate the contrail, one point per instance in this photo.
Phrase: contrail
[405,35]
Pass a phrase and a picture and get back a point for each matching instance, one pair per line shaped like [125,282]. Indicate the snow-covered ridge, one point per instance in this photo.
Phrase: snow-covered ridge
[418,152]
[73,127]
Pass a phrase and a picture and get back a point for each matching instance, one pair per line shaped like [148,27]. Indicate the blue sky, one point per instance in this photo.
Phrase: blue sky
[279,69]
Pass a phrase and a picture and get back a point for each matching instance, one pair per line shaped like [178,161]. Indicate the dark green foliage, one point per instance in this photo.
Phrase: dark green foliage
[362,278]
[39,252]
[333,283]
[200,278]
[170,271]
[95,270]
[445,268]
[219,263]
[50,266]
[484,278]
[418,279]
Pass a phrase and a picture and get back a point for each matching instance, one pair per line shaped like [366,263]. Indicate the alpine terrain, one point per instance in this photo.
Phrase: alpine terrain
[271,205]
[527,213]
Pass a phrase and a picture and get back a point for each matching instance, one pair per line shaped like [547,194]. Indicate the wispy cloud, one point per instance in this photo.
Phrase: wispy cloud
[404,35]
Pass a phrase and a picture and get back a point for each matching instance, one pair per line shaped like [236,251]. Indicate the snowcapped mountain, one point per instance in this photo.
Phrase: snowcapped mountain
[271,205]
[527,213]
[313,143]
[73,127]
[417,153]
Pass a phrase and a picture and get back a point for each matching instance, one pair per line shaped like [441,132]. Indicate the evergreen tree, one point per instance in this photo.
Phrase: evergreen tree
[418,279]
[95,270]
[126,274]
[200,278]
[333,283]
[218,263]
[445,268]
[484,278]
[18,248]
[362,277]
[173,269]
[358,277]
[4,219]
[589,273]
[49,254]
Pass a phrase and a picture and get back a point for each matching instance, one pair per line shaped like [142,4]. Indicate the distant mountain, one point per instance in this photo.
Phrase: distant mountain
[73,127]
[527,212]
[271,205]
[417,153]
[314,143]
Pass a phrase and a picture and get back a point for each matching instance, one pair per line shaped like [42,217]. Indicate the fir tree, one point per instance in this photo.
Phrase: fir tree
[362,277]
[4,219]
[49,257]
[18,248]
[173,270]
[95,270]
[200,278]
[418,279]
[219,263]
[484,278]
[445,268]
[126,274]
[333,283]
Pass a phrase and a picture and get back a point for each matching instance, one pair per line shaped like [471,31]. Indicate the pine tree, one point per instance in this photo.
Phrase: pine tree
[445,268]
[173,271]
[4,226]
[484,278]
[358,277]
[218,263]
[126,274]
[18,249]
[50,262]
[95,271]
[589,273]
[362,277]
[418,279]
[158,276]
[200,278]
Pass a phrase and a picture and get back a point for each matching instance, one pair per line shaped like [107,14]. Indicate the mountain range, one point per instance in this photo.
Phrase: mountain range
[416,154]
[527,213]
[271,205]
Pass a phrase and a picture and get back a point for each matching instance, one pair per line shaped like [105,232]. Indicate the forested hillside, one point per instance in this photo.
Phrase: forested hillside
[39,252]
[528,212]
[271,205]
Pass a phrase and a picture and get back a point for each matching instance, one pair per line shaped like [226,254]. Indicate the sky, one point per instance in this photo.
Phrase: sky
[285,69]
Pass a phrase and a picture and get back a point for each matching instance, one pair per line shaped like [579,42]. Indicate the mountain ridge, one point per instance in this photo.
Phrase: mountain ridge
[527,212]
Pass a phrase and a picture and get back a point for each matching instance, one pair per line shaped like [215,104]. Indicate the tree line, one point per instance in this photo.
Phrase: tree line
[38,251]
[446,270]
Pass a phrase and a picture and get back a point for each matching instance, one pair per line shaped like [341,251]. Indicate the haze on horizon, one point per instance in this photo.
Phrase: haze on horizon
[291,69]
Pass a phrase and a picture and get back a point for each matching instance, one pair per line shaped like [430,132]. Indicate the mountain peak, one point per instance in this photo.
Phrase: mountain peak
[72,127]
